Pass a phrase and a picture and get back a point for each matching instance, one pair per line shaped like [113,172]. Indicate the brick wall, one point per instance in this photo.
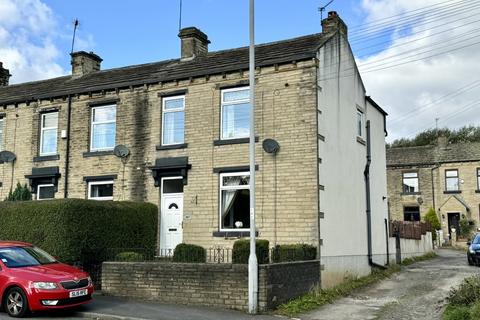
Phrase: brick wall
[215,285]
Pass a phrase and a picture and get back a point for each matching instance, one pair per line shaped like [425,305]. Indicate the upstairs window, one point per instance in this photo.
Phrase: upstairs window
[48,133]
[173,117]
[478,178]
[235,113]
[410,182]
[451,180]
[103,128]
[360,123]
[235,201]
[2,135]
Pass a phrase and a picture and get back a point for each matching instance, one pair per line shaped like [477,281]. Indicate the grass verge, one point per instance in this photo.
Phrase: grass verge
[464,301]
[320,297]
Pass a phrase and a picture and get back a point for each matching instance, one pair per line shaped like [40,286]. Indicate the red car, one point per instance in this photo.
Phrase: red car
[33,280]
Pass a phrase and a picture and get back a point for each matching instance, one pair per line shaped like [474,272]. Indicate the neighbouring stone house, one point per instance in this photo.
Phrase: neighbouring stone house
[184,125]
[444,176]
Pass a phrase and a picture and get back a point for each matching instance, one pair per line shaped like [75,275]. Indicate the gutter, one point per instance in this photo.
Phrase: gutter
[67,151]
[366,173]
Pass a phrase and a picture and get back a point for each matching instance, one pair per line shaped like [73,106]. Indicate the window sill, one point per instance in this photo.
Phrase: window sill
[97,153]
[232,234]
[232,141]
[452,192]
[172,147]
[46,158]
[361,140]
[410,193]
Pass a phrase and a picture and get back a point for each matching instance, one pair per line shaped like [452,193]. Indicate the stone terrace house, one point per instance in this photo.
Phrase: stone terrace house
[444,176]
[185,123]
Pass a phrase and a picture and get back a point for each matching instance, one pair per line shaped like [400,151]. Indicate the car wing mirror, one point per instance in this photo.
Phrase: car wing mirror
[469,243]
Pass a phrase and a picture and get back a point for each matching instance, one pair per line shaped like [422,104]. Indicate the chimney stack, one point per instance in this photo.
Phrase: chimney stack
[194,43]
[442,141]
[4,76]
[84,63]
[334,23]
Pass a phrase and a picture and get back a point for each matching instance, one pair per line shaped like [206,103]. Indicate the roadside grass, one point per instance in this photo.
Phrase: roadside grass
[319,297]
[464,301]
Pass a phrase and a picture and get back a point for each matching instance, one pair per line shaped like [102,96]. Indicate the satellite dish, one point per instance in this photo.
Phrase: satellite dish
[121,151]
[7,156]
[270,146]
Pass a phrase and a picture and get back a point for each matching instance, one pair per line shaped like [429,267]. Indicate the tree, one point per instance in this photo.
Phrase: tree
[21,193]
[432,218]
[429,137]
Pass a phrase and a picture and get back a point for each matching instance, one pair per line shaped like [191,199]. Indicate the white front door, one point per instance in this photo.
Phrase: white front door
[171,218]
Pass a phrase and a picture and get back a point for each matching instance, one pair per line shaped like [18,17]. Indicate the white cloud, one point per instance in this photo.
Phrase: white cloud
[29,37]
[405,90]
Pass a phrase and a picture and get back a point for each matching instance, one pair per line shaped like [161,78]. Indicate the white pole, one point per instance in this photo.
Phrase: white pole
[252,259]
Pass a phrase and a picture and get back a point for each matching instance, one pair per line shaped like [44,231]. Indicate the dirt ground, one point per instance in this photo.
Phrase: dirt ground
[417,292]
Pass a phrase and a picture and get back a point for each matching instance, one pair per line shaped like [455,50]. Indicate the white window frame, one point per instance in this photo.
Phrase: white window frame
[43,186]
[182,109]
[42,130]
[243,187]
[223,103]
[454,177]
[2,136]
[410,178]
[96,183]
[93,123]
[362,123]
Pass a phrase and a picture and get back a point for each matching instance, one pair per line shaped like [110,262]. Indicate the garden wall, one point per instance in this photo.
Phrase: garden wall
[216,285]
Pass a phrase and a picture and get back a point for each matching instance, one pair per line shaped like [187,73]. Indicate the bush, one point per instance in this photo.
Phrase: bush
[129,256]
[468,293]
[78,230]
[241,251]
[466,227]
[189,253]
[432,218]
[457,313]
[21,193]
[293,252]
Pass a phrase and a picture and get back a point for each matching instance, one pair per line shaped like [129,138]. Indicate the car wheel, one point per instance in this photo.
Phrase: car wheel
[16,303]
[470,261]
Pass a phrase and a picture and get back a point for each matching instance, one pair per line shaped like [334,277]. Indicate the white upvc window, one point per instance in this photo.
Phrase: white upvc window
[103,128]
[2,135]
[235,113]
[100,190]
[360,121]
[48,133]
[234,201]
[173,120]
[45,192]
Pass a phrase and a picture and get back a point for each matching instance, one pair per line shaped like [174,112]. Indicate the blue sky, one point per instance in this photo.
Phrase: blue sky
[131,32]
[396,63]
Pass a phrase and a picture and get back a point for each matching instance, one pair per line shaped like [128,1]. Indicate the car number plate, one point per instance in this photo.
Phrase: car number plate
[78,293]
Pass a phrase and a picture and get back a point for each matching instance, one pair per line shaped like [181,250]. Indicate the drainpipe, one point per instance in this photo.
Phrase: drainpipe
[67,151]
[366,173]
[433,186]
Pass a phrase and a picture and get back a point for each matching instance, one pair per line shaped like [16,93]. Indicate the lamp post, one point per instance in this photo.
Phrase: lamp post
[252,259]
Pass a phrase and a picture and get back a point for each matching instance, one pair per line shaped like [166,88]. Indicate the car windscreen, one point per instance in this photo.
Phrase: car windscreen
[477,239]
[17,257]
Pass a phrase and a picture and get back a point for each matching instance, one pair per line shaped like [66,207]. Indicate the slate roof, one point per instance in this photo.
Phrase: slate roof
[431,154]
[218,62]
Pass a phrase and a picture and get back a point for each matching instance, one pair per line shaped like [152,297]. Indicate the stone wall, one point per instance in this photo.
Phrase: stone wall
[215,285]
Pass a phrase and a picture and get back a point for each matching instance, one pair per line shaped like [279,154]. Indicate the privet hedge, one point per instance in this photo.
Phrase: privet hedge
[241,251]
[189,253]
[80,230]
[293,252]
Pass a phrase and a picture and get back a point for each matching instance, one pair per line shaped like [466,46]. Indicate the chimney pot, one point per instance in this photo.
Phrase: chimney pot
[194,43]
[333,23]
[84,63]
[4,76]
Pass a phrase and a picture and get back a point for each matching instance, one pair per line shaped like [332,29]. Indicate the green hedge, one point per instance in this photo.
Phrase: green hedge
[129,256]
[80,230]
[294,252]
[241,251]
[189,253]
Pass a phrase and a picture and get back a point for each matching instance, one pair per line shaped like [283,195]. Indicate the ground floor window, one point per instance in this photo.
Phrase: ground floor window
[45,192]
[411,214]
[235,200]
[100,190]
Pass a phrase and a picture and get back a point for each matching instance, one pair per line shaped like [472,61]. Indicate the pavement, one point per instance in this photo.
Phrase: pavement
[417,292]
[111,308]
